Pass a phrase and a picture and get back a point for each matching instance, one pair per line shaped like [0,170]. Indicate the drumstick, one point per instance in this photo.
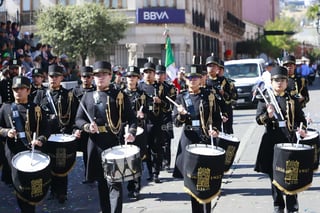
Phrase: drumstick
[87,114]
[211,137]
[32,146]
[126,130]
[12,126]
[174,103]
[298,135]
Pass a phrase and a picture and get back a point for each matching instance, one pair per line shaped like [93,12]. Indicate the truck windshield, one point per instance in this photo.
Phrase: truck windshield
[235,71]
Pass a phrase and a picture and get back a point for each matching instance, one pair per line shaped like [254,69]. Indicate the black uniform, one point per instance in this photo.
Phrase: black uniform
[27,117]
[194,130]
[63,122]
[292,112]
[104,107]
[230,94]
[154,121]
[297,85]
[167,126]
[78,92]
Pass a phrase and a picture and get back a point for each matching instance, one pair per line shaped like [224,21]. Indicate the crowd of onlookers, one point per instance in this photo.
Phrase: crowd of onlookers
[21,48]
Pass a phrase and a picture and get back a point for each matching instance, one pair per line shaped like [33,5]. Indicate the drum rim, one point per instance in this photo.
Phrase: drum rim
[233,138]
[205,146]
[281,145]
[28,151]
[60,134]
[106,151]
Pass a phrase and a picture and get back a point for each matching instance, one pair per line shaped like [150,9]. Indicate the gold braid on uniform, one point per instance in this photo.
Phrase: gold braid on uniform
[66,116]
[120,104]
[38,117]
[290,110]
[27,127]
[156,107]
[205,125]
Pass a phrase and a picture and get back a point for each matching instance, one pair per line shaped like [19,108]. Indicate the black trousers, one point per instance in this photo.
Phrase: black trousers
[290,202]
[59,185]
[25,207]
[110,195]
[155,142]
[134,185]
[200,208]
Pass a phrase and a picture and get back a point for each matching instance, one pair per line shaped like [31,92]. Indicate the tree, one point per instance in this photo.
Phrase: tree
[312,12]
[280,42]
[80,30]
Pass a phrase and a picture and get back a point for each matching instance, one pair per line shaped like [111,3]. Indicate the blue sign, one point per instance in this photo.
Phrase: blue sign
[161,16]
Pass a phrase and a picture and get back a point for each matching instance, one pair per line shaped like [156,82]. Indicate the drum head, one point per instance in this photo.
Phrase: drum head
[293,146]
[22,161]
[228,137]
[63,138]
[311,135]
[120,152]
[204,149]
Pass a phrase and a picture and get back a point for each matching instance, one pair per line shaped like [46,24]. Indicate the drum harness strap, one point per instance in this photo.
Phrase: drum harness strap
[209,122]
[19,125]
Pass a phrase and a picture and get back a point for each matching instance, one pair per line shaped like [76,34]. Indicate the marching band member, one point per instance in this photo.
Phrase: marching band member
[107,108]
[155,103]
[85,86]
[27,119]
[214,83]
[281,130]
[59,105]
[230,94]
[137,99]
[167,126]
[297,85]
[197,109]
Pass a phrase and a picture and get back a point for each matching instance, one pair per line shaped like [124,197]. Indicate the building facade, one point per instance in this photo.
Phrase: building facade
[198,28]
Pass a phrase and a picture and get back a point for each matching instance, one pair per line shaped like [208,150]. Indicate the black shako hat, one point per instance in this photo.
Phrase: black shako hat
[193,70]
[20,82]
[37,72]
[133,71]
[55,70]
[149,66]
[86,71]
[212,60]
[101,66]
[289,59]
[160,69]
[279,72]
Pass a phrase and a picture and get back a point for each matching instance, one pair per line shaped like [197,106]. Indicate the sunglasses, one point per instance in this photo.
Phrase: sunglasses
[86,76]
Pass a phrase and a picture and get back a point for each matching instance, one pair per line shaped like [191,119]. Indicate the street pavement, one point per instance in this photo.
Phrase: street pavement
[242,190]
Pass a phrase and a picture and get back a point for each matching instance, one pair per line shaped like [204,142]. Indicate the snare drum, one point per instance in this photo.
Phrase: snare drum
[121,163]
[62,149]
[312,139]
[203,171]
[31,178]
[230,144]
[292,167]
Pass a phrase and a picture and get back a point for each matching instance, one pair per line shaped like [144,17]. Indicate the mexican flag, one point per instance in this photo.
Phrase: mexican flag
[170,65]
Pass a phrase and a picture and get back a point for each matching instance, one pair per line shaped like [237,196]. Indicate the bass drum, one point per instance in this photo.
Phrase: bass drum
[121,163]
[31,178]
[62,149]
[312,139]
[230,144]
[203,171]
[292,167]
